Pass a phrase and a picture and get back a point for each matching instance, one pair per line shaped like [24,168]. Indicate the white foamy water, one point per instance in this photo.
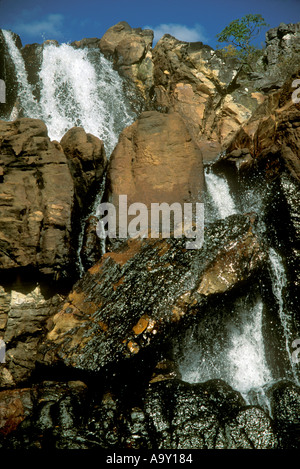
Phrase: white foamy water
[27,101]
[78,87]
[231,349]
[219,192]
[246,355]
[279,283]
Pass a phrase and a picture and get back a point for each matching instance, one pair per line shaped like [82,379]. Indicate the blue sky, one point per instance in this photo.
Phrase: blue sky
[189,20]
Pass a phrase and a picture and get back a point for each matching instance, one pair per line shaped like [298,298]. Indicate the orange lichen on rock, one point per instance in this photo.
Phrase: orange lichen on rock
[133,347]
[141,325]
[121,257]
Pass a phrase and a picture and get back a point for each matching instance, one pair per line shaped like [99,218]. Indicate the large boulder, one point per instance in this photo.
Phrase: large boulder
[41,190]
[205,416]
[193,80]
[156,285]
[271,135]
[36,198]
[285,405]
[131,51]
[155,161]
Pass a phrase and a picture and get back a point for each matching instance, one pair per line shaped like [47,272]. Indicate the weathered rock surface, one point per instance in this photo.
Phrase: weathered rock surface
[271,135]
[25,324]
[155,161]
[41,190]
[41,416]
[157,285]
[282,43]
[194,81]
[114,328]
[173,415]
[285,404]
[87,163]
[131,51]
[36,198]
[205,416]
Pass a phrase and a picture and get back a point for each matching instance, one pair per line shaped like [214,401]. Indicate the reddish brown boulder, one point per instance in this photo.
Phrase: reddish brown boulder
[272,134]
[41,190]
[15,405]
[139,294]
[87,162]
[155,161]
[36,198]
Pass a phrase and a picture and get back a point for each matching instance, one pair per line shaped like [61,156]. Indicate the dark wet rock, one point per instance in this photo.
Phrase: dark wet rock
[156,284]
[285,405]
[46,416]
[25,324]
[92,246]
[7,73]
[205,416]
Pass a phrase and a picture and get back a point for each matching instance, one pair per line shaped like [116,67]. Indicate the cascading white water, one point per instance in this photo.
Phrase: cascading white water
[229,348]
[219,193]
[27,101]
[232,347]
[279,283]
[78,87]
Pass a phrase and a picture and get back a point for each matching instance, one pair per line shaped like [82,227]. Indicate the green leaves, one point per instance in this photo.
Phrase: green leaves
[242,31]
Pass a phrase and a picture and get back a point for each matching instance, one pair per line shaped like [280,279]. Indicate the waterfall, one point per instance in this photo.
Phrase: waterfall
[229,347]
[27,101]
[78,87]
[219,193]
[279,284]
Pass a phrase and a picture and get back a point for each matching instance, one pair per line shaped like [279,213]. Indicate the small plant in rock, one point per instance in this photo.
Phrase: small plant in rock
[239,34]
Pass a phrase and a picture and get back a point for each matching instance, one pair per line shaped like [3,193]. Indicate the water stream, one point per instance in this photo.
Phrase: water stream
[27,101]
[229,342]
[78,87]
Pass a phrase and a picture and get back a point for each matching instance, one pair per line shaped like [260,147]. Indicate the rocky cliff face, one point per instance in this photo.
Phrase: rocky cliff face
[95,364]
[44,186]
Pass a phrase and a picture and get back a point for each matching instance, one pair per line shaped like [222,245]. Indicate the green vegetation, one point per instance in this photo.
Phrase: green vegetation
[239,34]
